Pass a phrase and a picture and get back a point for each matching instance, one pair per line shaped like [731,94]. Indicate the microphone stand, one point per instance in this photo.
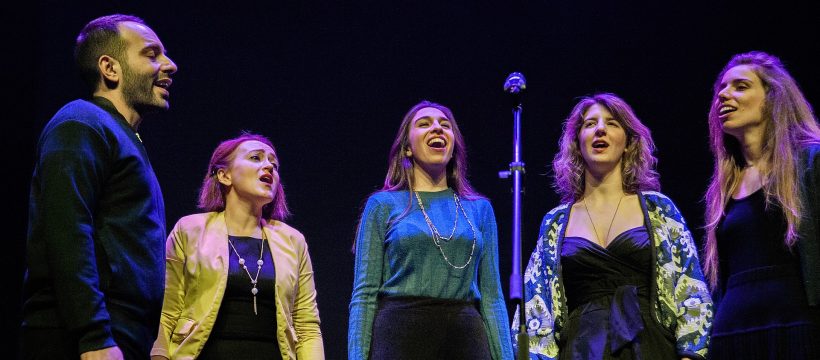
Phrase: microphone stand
[515,84]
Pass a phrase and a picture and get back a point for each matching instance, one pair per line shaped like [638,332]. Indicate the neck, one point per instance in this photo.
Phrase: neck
[129,113]
[606,186]
[751,145]
[242,218]
[429,180]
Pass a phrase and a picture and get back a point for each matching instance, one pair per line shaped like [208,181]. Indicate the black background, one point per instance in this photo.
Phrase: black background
[329,82]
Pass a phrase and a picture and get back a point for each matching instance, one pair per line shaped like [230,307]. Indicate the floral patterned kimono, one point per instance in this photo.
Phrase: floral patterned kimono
[680,301]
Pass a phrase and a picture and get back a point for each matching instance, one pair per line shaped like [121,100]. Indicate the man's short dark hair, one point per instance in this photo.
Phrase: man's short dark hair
[100,36]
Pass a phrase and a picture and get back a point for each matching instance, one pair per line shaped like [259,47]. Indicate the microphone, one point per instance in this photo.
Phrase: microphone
[515,83]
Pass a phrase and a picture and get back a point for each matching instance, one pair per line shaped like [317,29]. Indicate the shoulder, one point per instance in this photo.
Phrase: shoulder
[478,201]
[812,149]
[808,170]
[655,196]
[286,230]
[80,111]
[811,155]
[381,196]
[195,221]
[658,202]
[77,125]
[284,237]
[555,214]
[385,199]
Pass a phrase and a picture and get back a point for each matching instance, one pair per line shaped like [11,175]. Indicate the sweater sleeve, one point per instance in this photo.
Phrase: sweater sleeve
[71,176]
[367,277]
[493,309]
[809,229]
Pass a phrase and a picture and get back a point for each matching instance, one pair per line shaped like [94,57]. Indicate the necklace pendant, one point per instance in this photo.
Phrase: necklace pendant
[259,264]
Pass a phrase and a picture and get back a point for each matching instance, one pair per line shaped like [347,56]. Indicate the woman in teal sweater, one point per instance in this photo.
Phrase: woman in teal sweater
[426,282]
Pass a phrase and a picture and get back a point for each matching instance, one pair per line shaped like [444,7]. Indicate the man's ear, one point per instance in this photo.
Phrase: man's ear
[110,69]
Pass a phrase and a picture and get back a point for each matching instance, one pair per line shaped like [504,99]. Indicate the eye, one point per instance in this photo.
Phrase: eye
[255,157]
[422,124]
[446,125]
[613,123]
[151,53]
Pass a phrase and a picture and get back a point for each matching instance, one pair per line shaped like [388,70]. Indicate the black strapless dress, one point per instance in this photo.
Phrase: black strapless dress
[608,300]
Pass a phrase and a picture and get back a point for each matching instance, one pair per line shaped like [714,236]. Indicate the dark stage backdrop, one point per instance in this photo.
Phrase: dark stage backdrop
[329,83]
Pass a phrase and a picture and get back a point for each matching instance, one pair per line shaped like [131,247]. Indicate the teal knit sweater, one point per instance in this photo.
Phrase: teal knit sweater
[396,256]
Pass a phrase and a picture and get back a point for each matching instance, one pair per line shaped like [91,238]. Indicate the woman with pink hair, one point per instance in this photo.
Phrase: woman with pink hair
[239,281]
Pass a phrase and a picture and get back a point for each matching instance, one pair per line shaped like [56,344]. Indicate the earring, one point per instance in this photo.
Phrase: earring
[408,153]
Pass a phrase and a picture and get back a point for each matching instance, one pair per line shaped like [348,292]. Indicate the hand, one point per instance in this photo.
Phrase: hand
[685,358]
[158,357]
[111,353]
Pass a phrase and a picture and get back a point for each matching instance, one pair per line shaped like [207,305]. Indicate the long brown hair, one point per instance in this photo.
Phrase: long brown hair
[790,125]
[400,167]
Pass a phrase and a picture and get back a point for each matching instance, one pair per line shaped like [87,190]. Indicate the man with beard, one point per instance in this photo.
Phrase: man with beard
[96,231]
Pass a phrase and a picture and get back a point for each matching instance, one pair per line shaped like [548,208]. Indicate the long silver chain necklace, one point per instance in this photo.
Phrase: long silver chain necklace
[259,264]
[610,222]
[437,238]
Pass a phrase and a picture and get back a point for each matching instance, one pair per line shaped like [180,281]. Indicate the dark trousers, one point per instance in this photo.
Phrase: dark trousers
[58,344]
[410,328]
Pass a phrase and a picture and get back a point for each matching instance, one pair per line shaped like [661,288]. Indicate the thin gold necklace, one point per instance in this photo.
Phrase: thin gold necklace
[259,262]
[610,221]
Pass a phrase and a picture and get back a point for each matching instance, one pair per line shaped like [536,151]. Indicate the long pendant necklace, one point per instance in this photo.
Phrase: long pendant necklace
[610,222]
[259,264]
[437,238]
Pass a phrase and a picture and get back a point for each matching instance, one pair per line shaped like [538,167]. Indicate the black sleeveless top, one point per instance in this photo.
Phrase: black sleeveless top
[238,332]
[762,299]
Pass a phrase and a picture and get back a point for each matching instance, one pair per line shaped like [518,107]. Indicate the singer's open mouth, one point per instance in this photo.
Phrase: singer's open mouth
[437,143]
[599,144]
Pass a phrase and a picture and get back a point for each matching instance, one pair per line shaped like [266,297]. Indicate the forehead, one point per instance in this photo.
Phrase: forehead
[740,72]
[254,145]
[430,112]
[597,110]
[138,34]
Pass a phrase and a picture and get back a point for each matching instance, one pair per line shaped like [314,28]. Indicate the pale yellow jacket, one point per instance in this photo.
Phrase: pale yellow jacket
[196,262]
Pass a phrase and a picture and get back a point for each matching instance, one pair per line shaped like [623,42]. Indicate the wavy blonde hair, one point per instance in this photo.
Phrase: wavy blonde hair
[638,165]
